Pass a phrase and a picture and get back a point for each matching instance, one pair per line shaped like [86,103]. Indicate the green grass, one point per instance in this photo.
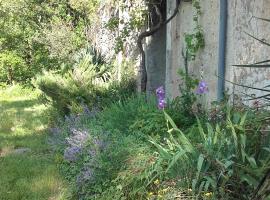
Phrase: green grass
[23,123]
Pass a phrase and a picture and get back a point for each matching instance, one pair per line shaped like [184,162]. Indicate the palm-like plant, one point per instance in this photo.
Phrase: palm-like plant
[263,188]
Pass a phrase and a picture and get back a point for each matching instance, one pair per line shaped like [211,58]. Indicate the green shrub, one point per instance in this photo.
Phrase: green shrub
[12,68]
[117,169]
[64,91]
[86,83]
[121,115]
[219,159]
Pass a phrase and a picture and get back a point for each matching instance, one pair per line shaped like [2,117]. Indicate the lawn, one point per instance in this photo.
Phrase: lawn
[27,167]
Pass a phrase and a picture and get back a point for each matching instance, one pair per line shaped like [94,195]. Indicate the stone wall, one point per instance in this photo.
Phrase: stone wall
[241,49]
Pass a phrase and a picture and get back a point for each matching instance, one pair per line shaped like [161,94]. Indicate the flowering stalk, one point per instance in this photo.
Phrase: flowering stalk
[160,92]
[202,88]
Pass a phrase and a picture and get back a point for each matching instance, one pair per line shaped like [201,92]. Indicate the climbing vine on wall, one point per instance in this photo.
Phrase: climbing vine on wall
[195,40]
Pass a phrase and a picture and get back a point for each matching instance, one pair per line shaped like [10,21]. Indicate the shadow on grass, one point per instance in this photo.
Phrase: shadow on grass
[18,104]
[22,114]
[32,175]
[28,176]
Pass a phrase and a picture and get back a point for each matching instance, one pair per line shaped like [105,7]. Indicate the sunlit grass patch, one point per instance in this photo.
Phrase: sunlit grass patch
[31,175]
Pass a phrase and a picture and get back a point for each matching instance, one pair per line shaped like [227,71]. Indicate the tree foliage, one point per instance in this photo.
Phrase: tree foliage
[41,34]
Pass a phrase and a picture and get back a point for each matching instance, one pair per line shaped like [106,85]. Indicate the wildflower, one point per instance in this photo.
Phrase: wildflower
[76,142]
[78,137]
[71,153]
[89,113]
[86,174]
[56,138]
[56,131]
[160,92]
[150,194]
[208,194]
[165,190]
[156,182]
[161,104]
[202,88]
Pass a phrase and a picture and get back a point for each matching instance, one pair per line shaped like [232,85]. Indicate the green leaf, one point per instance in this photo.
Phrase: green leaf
[252,162]
[201,131]
[217,132]
[211,181]
[260,97]
[243,139]
[228,163]
[167,117]
[236,118]
[176,157]
[210,132]
[163,152]
[266,149]
[249,179]
[201,187]
[184,141]
[200,164]
[254,88]
[235,139]
[261,62]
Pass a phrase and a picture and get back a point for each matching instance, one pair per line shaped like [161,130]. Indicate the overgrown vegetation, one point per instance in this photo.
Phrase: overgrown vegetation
[108,141]
[132,150]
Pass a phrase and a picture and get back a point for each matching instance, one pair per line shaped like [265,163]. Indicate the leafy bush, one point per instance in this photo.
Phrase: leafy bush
[86,83]
[91,157]
[65,91]
[12,68]
[225,160]
[130,150]
[126,167]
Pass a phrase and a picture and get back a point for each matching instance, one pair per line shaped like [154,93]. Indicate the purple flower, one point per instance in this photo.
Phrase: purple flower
[71,153]
[99,143]
[76,142]
[77,138]
[86,174]
[160,92]
[161,104]
[202,88]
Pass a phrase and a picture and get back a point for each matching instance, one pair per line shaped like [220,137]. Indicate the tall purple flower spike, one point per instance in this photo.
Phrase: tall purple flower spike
[161,104]
[202,88]
[160,92]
